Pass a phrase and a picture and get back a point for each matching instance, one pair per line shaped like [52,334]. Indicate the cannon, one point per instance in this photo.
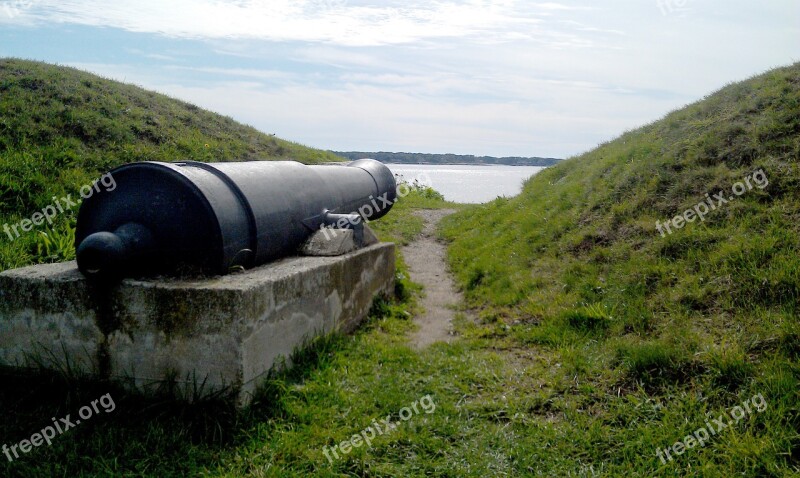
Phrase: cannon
[211,218]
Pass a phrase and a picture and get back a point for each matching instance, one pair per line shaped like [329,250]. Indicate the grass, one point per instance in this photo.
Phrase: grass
[657,330]
[337,387]
[61,128]
[598,340]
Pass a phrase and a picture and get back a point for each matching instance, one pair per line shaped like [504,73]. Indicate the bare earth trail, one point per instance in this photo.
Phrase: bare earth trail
[425,257]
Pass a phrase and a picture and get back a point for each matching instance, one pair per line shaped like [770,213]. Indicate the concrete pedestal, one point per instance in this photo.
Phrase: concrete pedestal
[202,336]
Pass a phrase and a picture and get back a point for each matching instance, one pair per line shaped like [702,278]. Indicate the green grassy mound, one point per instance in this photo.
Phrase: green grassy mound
[601,343]
[659,326]
[61,128]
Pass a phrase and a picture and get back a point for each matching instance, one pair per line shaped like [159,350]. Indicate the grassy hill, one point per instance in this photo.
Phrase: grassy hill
[61,128]
[600,343]
[654,329]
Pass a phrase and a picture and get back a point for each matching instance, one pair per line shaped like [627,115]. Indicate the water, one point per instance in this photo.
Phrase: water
[468,183]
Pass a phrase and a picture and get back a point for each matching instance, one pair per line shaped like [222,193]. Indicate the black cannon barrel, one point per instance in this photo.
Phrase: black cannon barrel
[165,218]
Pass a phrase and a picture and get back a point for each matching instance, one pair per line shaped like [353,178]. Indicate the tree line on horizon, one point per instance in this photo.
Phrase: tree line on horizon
[430,158]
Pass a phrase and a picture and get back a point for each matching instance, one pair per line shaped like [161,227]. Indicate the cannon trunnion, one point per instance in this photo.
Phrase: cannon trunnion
[165,218]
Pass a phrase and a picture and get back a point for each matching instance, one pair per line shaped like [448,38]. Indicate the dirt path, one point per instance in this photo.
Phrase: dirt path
[425,257]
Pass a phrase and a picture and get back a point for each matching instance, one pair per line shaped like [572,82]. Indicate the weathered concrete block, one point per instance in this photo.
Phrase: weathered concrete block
[221,333]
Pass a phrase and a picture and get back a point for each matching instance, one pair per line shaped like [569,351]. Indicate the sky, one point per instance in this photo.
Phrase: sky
[483,77]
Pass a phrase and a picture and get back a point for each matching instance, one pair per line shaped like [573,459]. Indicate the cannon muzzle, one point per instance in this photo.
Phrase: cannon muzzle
[167,218]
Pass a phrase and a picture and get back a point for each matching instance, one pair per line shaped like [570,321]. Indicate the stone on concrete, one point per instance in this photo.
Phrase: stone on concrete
[335,242]
[369,236]
[202,336]
[329,242]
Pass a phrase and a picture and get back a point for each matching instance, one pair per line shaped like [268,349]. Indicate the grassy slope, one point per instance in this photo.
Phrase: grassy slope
[654,332]
[533,391]
[60,128]
[337,387]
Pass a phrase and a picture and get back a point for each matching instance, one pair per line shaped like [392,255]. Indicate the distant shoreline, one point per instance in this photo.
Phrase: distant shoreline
[445,159]
[462,164]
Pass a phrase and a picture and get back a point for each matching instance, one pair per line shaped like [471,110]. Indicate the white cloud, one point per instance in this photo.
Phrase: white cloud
[330,21]
[408,114]
[237,72]
[481,77]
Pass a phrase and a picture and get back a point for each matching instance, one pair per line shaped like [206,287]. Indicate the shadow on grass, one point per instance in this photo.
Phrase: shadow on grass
[138,435]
